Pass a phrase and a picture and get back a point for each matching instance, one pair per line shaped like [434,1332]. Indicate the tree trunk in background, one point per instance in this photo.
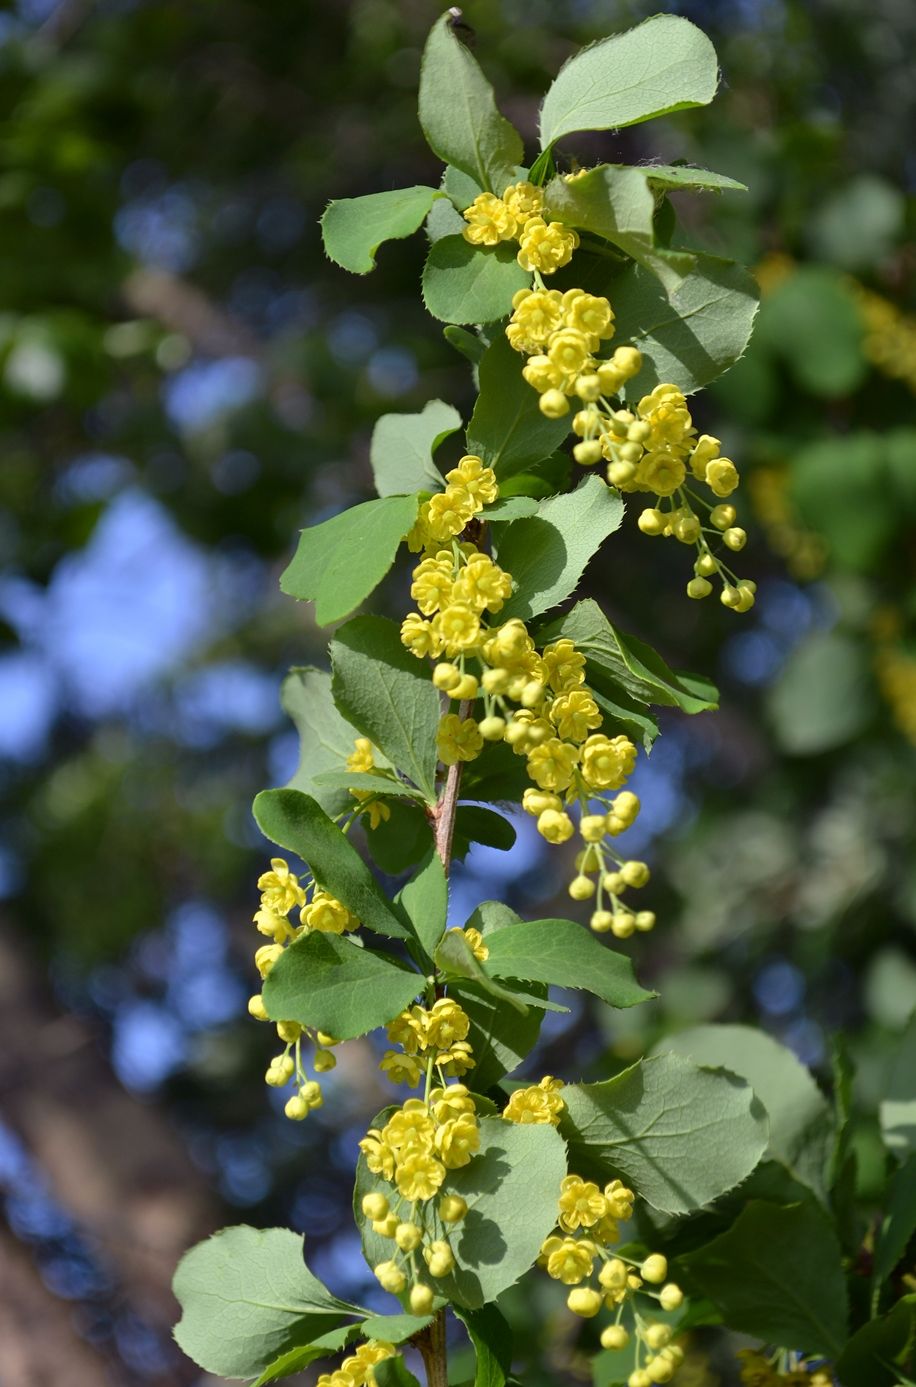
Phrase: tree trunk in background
[111,1161]
[39,1345]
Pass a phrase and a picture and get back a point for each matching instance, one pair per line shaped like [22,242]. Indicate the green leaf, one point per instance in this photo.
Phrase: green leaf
[492,1339]
[333,985]
[617,203]
[500,1036]
[541,479]
[898,1108]
[353,228]
[294,821]
[393,1372]
[476,824]
[680,1135]
[691,334]
[455,959]
[678,176]
[458,113]
[824,696]
[394,1329]
[565,954]
[801,1123]
[507,428]
[401,840]
[246,1297]
[509,508]
[899,1222]
[777,1273]
[622,711]
[665,64]
[338,563]
[471,284]
[388,695]
[298,1358]
[402,448]
[883,1352]
[467,343]
[425,900]
[373,781]
[632,665]
[548,552]
[511,1190]
[325,738]
[813,323]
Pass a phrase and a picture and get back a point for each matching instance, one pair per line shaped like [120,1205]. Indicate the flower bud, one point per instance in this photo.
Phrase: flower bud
[601,921]
[385,1227]
[289,1031]
[671,1297]
[657,1336]
[323,1061]
[584,1301]
[628,361]
[652,521]
[654,1269]
[465,689]
[390,1277]
[705,566]
[421,1299]
[593,827]
[735,538]
[635,874]
[446,676]
[644,920]
[256,1008]
[374,1205]
[623,924]
[614,1336]
[495,681]
[588,388]
[581,888]
[699,587]
[296,1108]
[452,1208]
[723,516]
[492,729]
[587,453]
[408,1236]
[554,404]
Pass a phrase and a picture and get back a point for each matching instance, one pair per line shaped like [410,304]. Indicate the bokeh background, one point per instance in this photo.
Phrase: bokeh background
[184,383]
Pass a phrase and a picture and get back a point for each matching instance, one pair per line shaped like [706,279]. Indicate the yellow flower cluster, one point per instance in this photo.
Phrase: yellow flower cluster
[588,1221]
[430,1038]
[362,760]
[469,487]
[540,1103]
[537,702]
[517,216]
[359,1370]
[783,1368]
[281,892]
[413,1152]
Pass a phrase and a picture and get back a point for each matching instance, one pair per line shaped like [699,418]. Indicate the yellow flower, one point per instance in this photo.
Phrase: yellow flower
[659,472]
[665,411]
[361,758]
[451,1101]
[275,926]
[581,1203]
[419,637]
[379,1155]
[458,739]
[326,914]
[553,764]
[546,246]
[588,314]
[409,1030]
[541,1103]
[542,375]
[457,1140]
[575,714]
[280,889]
[419,1175]
[619,1199]
[482,584]
[446,1023]
[431,585]
[447,513]
[524,200]
[410,1128]
[401,1069]
[476,944]
[458,628]
[564,666]
[722,476]
[706,449]
[607,761]
[568,351]
[458,1060]
[536,314]
[489,221]
[570,1262]
[555,825]
[474,478]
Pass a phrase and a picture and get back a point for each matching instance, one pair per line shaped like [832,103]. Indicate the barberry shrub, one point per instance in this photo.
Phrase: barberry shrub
[708,1183]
